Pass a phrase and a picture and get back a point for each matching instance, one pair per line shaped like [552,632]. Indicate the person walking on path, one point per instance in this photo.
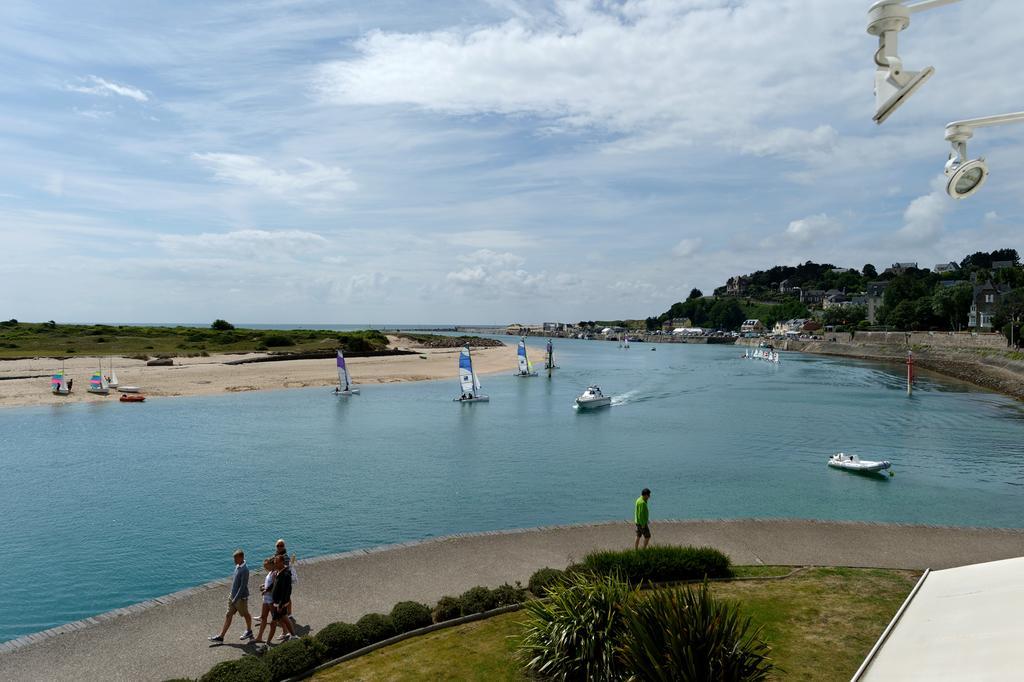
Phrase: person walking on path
[238,600]
[281,595]
[268,584]
[281,550]
[643,530]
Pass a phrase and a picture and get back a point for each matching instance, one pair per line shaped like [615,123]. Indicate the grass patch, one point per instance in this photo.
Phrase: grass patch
[820,623]
[483,650]
[761,571]
[54,340]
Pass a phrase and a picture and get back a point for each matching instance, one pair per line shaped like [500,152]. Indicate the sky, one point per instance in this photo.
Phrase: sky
[489,161]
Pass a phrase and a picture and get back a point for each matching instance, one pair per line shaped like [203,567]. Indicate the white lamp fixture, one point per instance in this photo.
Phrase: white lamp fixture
[966,176]
[893,85]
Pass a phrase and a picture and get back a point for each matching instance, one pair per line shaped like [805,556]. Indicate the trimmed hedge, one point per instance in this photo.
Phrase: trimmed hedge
[541,581]
[376,627]
[447,608]
[294,657]
[245,669]
[410,615]
[477,600]
[341,638]
[660,563]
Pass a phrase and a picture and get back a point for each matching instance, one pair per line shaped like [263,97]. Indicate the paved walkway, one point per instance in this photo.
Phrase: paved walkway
[166,638]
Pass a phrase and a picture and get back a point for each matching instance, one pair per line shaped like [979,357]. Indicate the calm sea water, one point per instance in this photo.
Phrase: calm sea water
[106,504]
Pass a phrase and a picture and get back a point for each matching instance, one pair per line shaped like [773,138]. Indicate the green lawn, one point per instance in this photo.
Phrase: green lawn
[820,624]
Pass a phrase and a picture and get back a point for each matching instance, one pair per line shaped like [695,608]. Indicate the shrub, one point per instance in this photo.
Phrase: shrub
[245,669]
[410,615]
[277,340]
[660,564]
[544,579]
[375,627]
[222,325]
[294,657]
[477,600]
[686,634]
[447,608]
[574,633]
[506,595]
[341,638]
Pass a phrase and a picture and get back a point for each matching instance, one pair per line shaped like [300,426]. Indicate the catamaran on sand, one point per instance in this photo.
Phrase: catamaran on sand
[468,380]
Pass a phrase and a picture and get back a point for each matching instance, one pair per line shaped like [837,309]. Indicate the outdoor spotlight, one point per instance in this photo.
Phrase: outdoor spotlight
[893,85]
[965,178]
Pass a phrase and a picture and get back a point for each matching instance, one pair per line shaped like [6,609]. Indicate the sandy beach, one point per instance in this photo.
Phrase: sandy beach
[209,375]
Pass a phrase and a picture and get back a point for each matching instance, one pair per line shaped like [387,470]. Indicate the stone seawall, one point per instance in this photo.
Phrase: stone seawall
[986,364]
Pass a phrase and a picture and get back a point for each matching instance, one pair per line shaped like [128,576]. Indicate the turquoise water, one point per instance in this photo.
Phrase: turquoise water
[105,505]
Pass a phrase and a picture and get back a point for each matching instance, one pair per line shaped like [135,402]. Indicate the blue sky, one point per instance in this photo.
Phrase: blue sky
[494,161]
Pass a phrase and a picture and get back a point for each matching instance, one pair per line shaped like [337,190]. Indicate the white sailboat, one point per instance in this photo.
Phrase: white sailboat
[525,368]
[468,380]
[344,384]
[549,362]
[625,341]
[112,379]
[98,383]
[58,384]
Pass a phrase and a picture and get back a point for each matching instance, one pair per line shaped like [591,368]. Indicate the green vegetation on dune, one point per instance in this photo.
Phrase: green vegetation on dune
[48,339]
[820,624]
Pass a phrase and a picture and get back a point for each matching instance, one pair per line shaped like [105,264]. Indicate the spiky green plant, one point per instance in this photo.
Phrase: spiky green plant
[686,635]
[573,634]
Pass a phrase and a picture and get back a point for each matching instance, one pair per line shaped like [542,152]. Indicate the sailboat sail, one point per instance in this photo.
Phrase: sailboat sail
[466,376]
[57,384]
[524,363]
[96,383]
[342,372]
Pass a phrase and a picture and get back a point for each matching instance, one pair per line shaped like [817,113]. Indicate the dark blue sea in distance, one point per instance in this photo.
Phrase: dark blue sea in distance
[105,505]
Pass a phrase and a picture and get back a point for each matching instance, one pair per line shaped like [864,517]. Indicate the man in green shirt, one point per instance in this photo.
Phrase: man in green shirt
[641,518]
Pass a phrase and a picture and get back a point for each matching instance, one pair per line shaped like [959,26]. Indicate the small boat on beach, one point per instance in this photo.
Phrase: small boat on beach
[112,377]
[525,368]
[592,399]
[59,384]
[841,460]
[468,380]
[132,398]
[344,384]
[128,389]
[98,383]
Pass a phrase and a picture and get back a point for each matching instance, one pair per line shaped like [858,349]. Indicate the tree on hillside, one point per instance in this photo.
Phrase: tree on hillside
[695,293]
[222,325]
[725,314]
[1010,311]
[869,271]
[953,304]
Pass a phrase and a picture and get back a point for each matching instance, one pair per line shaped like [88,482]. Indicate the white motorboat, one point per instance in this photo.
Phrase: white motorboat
[593,398]
[841,460]
[468,380]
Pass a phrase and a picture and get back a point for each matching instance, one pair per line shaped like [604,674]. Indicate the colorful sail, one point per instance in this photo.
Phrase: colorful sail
[96,382]
[466,376]
[342,372]
[524,363]
[57,380]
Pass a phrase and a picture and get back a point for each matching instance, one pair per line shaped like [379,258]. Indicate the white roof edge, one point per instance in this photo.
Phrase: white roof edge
[889,628]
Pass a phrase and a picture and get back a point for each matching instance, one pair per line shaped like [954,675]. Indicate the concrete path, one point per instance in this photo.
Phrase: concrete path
[166,638]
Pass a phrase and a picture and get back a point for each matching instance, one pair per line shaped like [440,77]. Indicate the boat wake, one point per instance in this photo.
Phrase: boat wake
[625,398]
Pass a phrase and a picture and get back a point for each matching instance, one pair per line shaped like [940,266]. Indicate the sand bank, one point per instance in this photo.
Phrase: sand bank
[209,375]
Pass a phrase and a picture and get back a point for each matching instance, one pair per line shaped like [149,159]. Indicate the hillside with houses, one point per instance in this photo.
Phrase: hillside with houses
[983,292]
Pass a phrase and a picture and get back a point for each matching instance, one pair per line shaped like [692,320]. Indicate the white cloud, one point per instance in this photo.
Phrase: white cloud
[310,181]
[245,245]
[924,217]
[687,247]
[104,88]
[494,259]
[813,228]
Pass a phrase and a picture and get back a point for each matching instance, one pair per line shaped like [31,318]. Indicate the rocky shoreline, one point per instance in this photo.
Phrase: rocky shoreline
[992,369]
